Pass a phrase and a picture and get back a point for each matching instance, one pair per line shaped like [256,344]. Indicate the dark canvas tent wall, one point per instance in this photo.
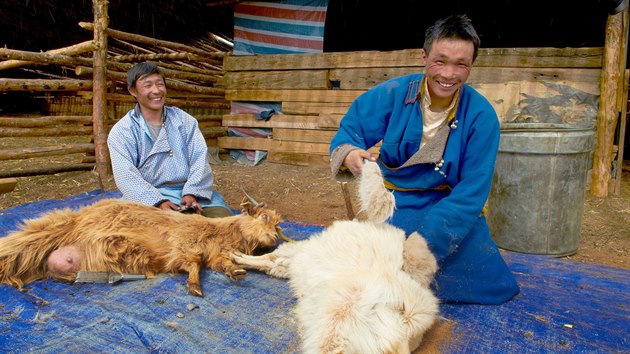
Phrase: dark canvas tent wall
[368,25]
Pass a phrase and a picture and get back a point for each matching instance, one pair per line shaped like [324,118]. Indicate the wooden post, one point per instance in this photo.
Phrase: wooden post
[348,200]
[608,112]
[99,89]
[615,187]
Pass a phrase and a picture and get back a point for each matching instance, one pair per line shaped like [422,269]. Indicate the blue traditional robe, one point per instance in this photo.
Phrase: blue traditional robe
[442,199]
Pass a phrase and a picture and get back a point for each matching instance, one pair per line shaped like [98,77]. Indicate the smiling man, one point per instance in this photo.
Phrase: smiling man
[439,144]
[159,156]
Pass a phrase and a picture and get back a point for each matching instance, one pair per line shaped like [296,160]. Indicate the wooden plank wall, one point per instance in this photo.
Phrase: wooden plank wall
[315,91]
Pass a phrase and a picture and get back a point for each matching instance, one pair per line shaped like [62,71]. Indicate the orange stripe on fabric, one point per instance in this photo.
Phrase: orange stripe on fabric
[288,14]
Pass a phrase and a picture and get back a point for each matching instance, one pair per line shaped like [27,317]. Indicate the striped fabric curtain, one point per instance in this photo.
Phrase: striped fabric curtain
[279,27]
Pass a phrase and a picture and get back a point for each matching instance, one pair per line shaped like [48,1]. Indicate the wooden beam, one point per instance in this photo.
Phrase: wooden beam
[7,185]
[209,118]
[322,61]
[289,79]
[217,103]
[210,124]
[303,135]
[366,78]
[154,42]
[84,65]
[75,49]
[494,57]
[45,131]
[293,95]
[42,85]
[300,159]
[18,154]
[213,132]
[325,121]
[134,58]
[182,86]
[241,143]
[171,74]
[47,170]
[42,58]
[34,122]
[171,84]
[540,57]
[314,108]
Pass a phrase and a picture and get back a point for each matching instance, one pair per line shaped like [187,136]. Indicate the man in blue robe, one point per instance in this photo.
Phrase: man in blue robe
[439,140]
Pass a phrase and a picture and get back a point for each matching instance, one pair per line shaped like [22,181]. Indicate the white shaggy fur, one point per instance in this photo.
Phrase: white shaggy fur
[375,199]
[361,286]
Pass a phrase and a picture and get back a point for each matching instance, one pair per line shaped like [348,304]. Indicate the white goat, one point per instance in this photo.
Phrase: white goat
[361,286]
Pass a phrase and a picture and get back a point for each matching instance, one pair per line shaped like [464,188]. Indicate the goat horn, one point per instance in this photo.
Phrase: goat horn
[250,199]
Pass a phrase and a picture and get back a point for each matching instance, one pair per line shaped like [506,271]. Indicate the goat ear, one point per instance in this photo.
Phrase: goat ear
[247,208]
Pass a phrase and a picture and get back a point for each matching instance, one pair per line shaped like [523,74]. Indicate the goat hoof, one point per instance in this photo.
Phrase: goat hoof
[237,274]
[194,290]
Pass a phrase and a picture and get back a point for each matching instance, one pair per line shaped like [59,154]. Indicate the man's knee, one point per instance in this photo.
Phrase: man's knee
[216,212]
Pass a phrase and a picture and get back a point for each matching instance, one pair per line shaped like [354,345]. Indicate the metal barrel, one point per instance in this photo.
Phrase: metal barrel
[536,202]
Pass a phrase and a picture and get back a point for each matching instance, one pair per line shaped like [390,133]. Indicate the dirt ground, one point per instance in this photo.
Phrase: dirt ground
[308,194]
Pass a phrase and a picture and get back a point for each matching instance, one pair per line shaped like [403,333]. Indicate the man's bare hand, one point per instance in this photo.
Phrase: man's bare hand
[190,201]
[354,161]
[168,205]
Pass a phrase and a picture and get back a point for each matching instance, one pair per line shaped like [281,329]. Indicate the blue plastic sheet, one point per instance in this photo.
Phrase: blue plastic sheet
[564,307]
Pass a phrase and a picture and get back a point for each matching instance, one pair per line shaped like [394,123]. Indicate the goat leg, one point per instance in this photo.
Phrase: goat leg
[233,271]
[275,263]
[225,265]
[193,269]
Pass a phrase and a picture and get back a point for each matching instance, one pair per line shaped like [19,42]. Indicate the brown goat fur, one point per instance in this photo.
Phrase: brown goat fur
[127,237]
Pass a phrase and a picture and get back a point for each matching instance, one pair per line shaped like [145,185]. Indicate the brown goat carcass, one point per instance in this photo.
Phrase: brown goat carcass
[119,236]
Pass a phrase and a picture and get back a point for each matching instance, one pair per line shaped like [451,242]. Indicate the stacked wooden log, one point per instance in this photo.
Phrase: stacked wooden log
[315,91]
[193,73]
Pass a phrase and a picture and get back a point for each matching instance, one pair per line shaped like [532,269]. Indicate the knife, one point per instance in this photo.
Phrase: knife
[106,277]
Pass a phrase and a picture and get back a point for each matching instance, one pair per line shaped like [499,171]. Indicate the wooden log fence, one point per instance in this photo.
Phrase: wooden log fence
[192,75]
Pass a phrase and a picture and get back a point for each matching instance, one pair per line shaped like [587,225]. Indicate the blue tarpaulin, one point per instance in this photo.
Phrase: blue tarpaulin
[564,307]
